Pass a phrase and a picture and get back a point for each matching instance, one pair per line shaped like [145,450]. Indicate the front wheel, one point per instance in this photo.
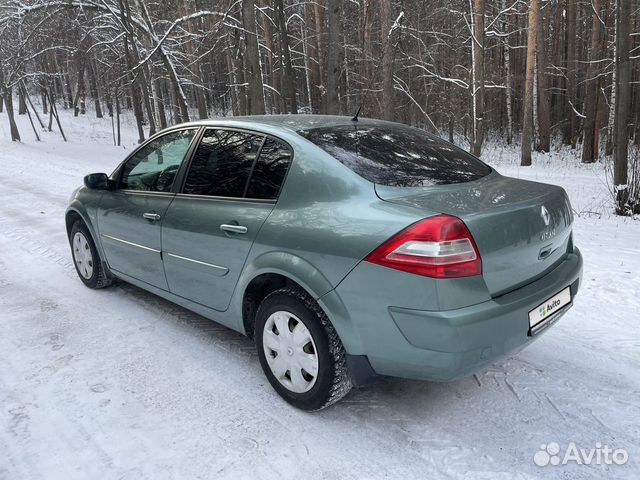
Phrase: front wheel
[299,350]
[86,258]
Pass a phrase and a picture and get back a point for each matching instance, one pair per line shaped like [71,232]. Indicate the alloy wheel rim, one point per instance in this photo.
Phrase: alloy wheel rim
[82,255]
[290,351]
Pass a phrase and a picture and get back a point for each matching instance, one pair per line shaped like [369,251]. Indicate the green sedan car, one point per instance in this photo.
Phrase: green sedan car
[347,248]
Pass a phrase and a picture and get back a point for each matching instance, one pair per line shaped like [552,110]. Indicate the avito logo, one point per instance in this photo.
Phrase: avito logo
[550,454]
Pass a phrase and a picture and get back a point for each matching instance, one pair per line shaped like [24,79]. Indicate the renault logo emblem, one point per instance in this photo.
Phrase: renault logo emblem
[545,215]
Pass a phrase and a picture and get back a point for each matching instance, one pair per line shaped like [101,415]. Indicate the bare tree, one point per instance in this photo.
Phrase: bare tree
[570,130]
[544,114]
[527,116]
[255,97]
[388,56]
[334,64]
[590,141]
[457,66]
[7,96]
[288,79]
[622,101]
[128,38]
[477,74]
[313,62]
[506,48]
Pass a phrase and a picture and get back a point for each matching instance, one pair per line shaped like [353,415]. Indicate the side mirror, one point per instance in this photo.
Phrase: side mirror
[97,181]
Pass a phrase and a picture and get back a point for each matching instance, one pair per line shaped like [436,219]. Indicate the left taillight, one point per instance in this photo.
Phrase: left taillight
[438,247]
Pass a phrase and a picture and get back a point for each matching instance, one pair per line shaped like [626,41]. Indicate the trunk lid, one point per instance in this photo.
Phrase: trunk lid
[522,228]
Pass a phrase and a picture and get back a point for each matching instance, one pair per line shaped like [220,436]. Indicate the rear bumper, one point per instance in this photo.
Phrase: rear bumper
[446,344]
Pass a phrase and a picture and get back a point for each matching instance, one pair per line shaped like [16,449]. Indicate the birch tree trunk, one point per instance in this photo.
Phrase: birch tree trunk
[68,93]
[78,101]
[509,80]
[612,101]
[527,120]
[118,134]
[477,74]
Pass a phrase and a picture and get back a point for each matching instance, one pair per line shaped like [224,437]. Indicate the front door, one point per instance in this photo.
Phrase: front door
[129,217]
[230,188]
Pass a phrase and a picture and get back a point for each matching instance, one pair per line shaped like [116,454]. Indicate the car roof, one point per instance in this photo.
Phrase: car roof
[293,122]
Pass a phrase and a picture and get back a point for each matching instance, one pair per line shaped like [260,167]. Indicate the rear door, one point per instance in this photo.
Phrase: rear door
[229,190]
[129,217]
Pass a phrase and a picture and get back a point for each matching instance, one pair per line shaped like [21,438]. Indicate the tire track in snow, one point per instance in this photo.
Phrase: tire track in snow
[437,457]
[397,429]
[35,247]
[205,330]
[15,226]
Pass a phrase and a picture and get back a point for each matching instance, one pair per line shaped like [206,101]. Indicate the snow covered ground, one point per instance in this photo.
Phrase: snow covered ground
[120,384]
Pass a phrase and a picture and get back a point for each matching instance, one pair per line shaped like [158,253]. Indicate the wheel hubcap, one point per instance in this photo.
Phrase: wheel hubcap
[82,255]
[290,351]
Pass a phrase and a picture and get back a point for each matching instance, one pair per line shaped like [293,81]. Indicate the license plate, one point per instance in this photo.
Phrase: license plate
[547,309]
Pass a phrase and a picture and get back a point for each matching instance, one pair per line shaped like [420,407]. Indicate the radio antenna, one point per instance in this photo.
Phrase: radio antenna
[355,118]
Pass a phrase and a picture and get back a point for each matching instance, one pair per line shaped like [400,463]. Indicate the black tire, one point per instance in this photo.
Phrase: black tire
[332,381]
[99,278]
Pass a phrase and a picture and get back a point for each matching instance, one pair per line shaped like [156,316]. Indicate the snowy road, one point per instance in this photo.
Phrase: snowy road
[119,384]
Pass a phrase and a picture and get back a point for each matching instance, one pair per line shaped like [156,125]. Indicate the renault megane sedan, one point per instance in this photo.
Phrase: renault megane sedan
[347,248]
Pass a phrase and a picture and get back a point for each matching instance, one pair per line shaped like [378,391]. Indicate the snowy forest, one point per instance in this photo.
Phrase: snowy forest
[133,382]
[541,74]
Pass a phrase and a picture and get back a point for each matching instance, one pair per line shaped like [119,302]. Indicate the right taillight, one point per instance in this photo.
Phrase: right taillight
[438,247]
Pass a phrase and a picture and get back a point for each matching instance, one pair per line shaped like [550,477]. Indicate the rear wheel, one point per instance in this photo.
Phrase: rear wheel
[85,257]
[300,351]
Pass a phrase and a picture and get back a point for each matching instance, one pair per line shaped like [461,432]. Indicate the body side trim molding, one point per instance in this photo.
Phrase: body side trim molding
[223,270]
[149,249]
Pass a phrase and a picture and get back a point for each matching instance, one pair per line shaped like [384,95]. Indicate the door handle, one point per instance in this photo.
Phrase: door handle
[233,228]
[151,216]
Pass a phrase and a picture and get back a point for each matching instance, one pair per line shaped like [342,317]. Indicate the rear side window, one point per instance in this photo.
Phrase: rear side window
[222,163]
[269,171]
[397,156]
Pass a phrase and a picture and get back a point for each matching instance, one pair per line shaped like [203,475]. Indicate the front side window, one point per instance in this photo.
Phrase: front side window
[153,168]
[397,155]
[222,163]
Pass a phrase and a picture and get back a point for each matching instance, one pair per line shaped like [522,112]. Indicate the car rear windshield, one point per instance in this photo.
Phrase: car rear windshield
[397,156]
